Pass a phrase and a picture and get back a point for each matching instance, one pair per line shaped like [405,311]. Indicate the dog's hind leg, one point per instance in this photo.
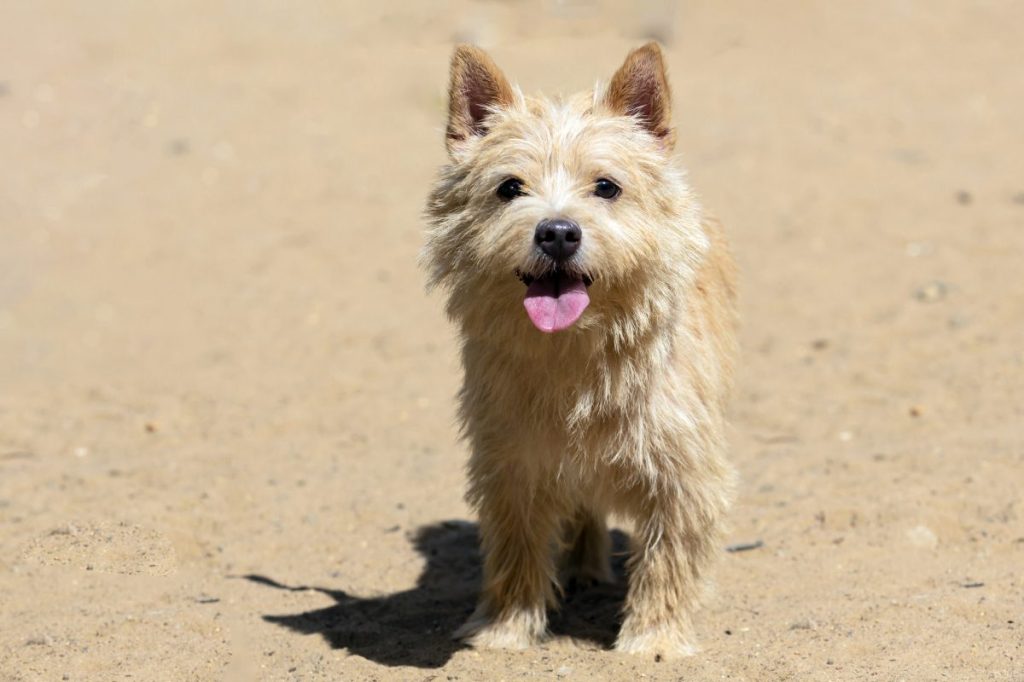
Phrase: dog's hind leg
[587,549]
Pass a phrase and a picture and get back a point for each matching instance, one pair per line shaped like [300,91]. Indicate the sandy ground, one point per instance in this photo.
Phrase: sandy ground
[226,403]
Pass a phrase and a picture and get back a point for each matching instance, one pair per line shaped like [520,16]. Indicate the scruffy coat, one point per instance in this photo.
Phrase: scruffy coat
[623,412]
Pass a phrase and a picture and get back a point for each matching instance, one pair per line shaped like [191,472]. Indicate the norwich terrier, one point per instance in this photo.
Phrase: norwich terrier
[606,394]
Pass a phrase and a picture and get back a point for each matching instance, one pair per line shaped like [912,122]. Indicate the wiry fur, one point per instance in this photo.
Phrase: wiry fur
[621,413]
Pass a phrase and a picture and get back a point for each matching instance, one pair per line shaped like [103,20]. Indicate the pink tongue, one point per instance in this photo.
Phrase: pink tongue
[555,302]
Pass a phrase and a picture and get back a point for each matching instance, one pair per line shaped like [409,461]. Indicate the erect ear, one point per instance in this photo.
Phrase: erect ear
[477,87]
[640,89]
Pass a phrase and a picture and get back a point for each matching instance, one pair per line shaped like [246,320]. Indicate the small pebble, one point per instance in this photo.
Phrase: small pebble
[932,292]
[45,640]
[922,536]
[958,321]
[916,249]
[963,197]
[178,147]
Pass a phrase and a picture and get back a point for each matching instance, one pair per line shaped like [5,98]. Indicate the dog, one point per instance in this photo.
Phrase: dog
[595,302]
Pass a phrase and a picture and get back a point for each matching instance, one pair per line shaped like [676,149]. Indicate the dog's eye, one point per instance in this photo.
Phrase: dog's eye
[606,189]
[510,189]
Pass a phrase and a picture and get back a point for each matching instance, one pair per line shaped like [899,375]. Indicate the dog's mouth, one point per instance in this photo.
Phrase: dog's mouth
[555,300]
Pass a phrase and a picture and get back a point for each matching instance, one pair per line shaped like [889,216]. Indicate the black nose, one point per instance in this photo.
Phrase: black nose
[558,238]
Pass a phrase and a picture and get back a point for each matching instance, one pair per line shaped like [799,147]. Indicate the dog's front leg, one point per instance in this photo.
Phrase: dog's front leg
[517,525]
[677,533]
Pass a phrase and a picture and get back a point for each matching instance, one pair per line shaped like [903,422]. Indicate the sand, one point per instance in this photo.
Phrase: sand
[227,447]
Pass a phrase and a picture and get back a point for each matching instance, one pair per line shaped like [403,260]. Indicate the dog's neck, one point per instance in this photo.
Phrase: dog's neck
[585,371]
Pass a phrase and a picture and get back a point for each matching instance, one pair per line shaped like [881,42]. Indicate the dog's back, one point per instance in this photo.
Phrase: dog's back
[714,315]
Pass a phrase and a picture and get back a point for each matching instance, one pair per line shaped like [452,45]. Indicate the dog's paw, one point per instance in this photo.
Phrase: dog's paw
[663,642]
[519,630]
[595,571]
[579,580]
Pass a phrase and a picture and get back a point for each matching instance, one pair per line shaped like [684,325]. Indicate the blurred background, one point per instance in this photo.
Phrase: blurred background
[226,403]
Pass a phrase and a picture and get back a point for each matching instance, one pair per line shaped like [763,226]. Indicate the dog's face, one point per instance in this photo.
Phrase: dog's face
[569,209]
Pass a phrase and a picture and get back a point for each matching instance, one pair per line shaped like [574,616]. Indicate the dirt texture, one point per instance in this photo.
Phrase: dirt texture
[227,442]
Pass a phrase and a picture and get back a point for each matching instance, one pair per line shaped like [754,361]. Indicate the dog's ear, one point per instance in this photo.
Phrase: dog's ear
[640,89]
[476,88]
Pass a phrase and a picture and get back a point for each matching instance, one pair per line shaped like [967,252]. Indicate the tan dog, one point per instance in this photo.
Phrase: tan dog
[605,395]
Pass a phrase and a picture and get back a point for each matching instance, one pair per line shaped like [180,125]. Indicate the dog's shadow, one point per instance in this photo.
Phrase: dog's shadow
[415,627]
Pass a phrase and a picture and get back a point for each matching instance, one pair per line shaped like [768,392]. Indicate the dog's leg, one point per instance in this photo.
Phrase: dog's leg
[587,558]
[678,533]
[517,532]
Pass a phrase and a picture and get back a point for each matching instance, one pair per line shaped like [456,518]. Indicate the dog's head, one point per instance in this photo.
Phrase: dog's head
[569,208]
